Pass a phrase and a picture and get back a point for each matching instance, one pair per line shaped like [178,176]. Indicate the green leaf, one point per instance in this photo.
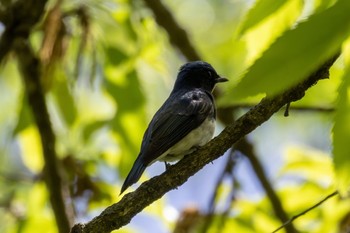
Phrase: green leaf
[129,87]
[25,117]
[321,5]
[65,101]
[261,10]
[297,53]
[341,136]
[115,55]
[130,121]
[312,165]
[91,128]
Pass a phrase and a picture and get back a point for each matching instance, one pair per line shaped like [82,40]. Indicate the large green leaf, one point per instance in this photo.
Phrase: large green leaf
[341,131]
[261,10]
[297,53]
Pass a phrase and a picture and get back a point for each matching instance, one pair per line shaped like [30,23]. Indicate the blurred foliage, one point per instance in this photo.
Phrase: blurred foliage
[107,67]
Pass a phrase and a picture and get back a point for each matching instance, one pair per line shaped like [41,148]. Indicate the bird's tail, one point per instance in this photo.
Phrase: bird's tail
[134,174]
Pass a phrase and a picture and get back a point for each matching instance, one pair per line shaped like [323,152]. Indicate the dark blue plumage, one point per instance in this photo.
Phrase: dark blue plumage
[184,122]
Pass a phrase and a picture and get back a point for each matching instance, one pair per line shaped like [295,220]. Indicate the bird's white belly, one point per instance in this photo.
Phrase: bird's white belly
[197,137]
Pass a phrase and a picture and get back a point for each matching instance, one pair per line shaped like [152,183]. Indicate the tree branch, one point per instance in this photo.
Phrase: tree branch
[19,19]
[121,213]
[317,109]
[177,35]
[30,70]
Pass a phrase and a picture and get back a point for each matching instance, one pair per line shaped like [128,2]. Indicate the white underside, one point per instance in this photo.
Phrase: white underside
[197,137]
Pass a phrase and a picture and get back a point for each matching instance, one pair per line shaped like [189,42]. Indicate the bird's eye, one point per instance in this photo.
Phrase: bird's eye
[209,73]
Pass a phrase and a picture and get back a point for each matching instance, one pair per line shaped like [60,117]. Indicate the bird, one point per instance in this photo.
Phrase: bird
[185,121]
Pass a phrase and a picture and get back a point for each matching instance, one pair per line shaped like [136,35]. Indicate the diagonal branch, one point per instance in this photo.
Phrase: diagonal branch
[177,35]
[247,148]
[121,213]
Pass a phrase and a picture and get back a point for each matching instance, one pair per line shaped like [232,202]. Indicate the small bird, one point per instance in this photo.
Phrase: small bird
[183,123]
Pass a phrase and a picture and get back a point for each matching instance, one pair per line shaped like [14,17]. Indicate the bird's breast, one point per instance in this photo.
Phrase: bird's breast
[196,138]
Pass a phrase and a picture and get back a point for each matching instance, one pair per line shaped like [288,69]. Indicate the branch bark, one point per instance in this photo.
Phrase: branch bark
[30,70]
[120,214]
[19,19]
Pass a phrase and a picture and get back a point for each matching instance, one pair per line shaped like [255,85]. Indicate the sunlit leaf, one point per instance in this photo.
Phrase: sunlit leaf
[37,209]
[259,38]
[297,53]
[256,40]
[291,195]
[264,220]
[260,10]
[321,5]
[31,150]
[309,164]
[314,220]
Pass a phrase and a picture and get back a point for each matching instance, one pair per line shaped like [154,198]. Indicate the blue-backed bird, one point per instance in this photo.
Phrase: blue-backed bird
[183,123]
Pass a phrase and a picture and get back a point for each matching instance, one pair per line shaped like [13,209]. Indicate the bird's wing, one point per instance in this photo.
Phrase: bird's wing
[174,121]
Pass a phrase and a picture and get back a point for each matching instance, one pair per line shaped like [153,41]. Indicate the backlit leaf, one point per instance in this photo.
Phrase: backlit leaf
[297,53]
[260,10]
[31,149]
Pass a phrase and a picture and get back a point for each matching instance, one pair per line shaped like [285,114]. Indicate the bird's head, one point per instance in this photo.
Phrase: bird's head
[197,74]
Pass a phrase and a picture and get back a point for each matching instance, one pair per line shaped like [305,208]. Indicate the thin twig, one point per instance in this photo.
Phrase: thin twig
[317,109]
[286,112]
[305,211]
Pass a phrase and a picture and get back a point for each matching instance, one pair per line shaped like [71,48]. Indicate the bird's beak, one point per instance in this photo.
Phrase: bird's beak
[221,80]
